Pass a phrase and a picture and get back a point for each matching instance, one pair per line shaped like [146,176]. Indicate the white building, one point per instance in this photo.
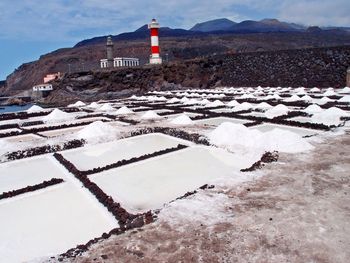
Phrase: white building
[43,87]
[121,62]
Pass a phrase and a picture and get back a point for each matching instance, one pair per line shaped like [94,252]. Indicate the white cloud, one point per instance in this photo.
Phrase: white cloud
[74,20]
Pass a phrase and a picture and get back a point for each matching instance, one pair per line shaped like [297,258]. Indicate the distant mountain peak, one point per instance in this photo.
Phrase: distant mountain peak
[220,24]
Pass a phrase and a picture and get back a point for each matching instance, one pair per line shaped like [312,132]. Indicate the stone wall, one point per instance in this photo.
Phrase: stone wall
[321,67]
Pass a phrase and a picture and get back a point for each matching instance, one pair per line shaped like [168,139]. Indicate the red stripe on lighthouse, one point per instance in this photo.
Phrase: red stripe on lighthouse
[154,32]
[155,50]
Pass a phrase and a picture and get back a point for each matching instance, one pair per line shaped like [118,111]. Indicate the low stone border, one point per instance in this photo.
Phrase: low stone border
[44,149]
[31,188]
[267,157]
[193,137]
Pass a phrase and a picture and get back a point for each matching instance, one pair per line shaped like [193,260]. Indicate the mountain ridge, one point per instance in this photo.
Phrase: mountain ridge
[216,27]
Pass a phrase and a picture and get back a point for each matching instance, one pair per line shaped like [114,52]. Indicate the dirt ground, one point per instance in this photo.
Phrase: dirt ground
[297,211]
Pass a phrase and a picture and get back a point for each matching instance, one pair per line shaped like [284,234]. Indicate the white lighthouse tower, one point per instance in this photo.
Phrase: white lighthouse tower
[154,28]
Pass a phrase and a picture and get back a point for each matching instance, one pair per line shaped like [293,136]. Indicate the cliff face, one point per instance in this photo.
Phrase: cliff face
[321,67]
[85,58]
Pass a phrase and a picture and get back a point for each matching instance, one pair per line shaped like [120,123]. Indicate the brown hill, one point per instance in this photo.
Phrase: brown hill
[178,49]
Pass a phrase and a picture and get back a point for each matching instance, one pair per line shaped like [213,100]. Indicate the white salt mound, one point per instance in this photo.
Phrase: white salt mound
[345,90]
[345,99]
[263,105]
[183,119]
[173,100]
[94,105]
[97,129]
[204,102]
[315,89]
[329,93]
[215,103]
[233,103]
[313,109]
[79,104]
[293,98]
[278,110]
[243,106]
[35,108]
[124,110]
[330,116]
[107,107]
[150,115]
[57,116]
[235,136]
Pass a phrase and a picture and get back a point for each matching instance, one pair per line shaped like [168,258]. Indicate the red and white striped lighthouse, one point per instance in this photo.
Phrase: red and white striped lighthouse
[155,57]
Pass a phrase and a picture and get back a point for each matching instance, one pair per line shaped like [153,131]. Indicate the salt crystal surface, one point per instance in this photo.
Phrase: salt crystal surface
[183,119]
[124,110]
[236,136]
[98,131]
[313,109]
[278,110]
[57,116]
[107,107]
[149,115]
[35,108]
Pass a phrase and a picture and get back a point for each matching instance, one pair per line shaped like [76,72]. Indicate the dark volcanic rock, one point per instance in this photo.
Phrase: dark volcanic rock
[321,67]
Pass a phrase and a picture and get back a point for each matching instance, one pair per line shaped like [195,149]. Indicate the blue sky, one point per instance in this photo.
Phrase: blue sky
[30,28]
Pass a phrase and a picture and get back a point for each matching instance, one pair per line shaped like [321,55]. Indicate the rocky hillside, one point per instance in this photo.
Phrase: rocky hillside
[86,57]
[321,67]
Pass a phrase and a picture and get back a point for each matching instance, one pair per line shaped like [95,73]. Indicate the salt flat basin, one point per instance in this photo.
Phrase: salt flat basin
[151,183]
[301,131]
[31,171]
[107,153]
[218,120]
[61,132]
[49,222]
[24,138]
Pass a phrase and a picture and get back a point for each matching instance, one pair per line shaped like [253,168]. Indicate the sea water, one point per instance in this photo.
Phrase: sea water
[14,108]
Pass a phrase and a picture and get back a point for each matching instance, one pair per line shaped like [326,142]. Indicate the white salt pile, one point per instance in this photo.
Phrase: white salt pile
[243,106]
[57,116]
[183,119]
[323,101]
[233,103]
[98,131]
[237,137]
[329,93]
[306,98]
[184,99]
[292,98]
[215,103]
[93,105]
[278,110]
[79,104]
[345,90]
[263,105]
[315,90]
[204,102]
[124,110]
[107,107]
[313,109]
[35,108]
[330,116]
[345,99]
[150,115]
[173,100]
